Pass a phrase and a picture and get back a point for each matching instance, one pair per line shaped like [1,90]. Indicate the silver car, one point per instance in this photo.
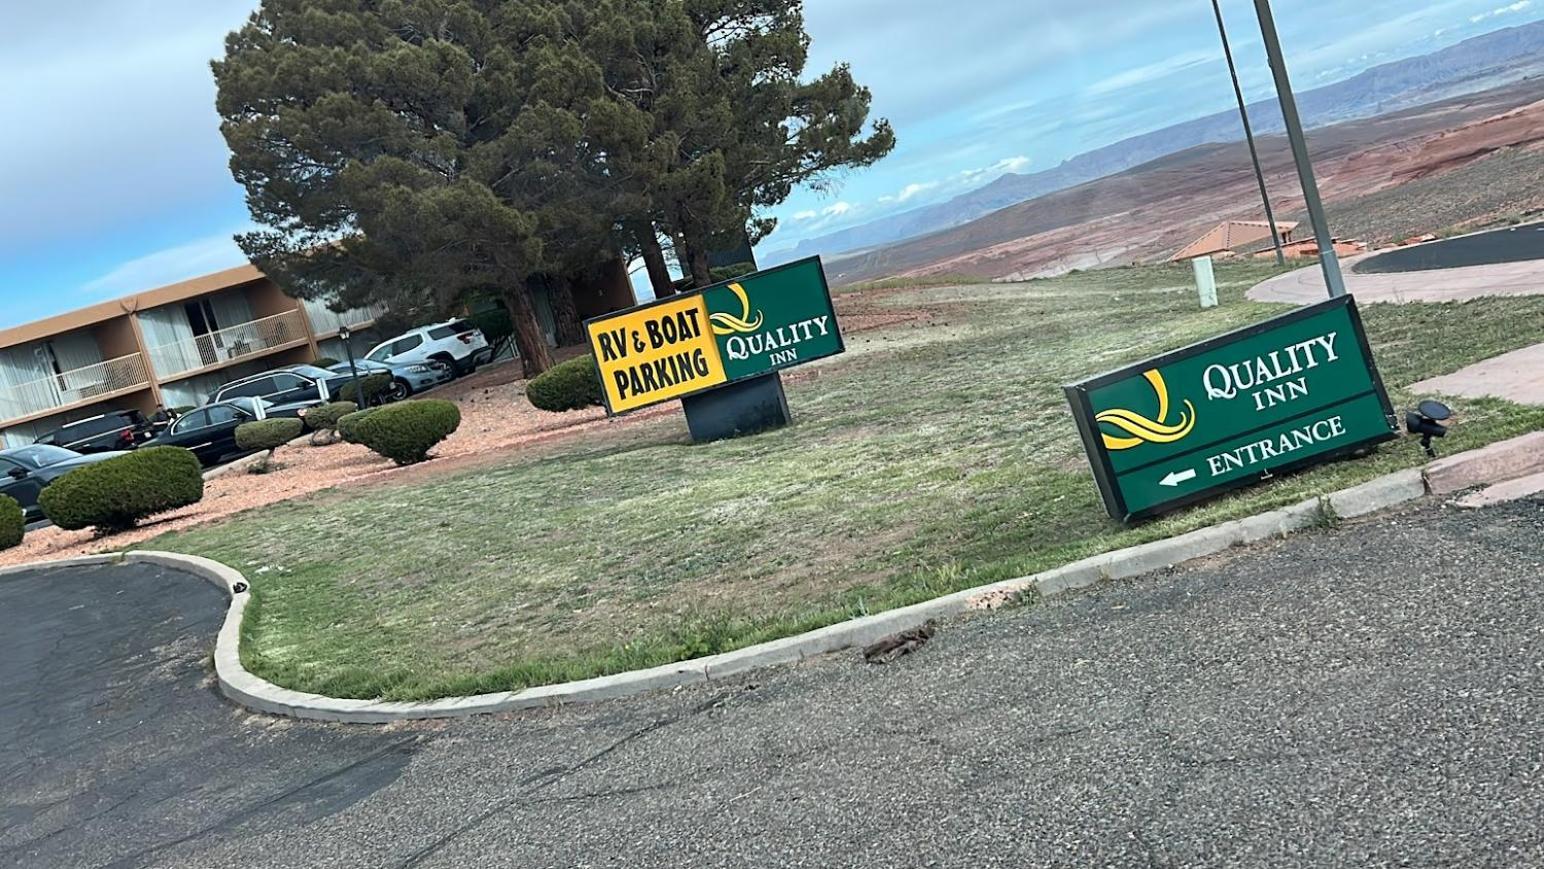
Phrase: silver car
[406,379]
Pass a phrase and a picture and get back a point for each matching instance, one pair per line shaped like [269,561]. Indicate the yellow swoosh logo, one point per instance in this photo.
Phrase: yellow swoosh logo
[1144,430]
[729,324]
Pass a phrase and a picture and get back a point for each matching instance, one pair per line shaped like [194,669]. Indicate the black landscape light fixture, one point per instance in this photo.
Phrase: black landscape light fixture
[1333,279]
[1427,421]
[346,336]
[1254,152]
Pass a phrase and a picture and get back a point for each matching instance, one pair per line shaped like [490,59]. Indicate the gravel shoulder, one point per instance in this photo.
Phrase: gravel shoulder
[1367,695]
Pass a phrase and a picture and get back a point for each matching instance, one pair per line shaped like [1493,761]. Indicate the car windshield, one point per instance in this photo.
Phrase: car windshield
[42,455]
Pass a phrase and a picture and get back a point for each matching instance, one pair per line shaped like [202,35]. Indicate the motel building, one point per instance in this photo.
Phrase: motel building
[171,346]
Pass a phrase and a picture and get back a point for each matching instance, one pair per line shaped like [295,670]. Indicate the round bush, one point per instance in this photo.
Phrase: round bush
[325,417]
[572,385]
[13,522]
[405,432]
[115,494]
[268,434]
[324,362]
[374,387]
[348,421]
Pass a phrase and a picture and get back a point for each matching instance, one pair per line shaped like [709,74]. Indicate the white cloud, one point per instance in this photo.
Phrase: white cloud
[837,209]
[1145,74]
[910,191]
[1001,167]
[168,266]
[1519,6]
[806,215]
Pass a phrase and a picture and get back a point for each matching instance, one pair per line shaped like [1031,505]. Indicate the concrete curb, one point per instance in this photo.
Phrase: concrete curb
[248,690]
[1505,460]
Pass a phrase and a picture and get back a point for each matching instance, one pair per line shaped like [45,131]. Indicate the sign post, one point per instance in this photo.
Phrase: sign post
[719,349]
[1295,391]
[1206,281]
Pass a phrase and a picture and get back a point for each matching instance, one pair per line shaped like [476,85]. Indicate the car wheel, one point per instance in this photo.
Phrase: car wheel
[455,369]
[399,391]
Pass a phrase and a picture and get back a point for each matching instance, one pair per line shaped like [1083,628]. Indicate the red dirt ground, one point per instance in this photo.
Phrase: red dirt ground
[496,420]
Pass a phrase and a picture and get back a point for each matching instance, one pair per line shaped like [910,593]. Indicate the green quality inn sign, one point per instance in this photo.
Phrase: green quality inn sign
[1291,392]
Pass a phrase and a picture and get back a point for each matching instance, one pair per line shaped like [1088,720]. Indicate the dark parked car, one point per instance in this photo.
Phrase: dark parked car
[297,384]
[26,471]
[110,432]
[210,431]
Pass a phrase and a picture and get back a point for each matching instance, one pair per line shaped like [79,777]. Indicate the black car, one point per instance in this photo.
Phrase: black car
[210,431]
[26,471]
[109,432]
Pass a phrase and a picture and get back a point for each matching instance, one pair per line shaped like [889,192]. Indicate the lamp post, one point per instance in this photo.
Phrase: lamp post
[1254,152]
[1333,279]
[345,335]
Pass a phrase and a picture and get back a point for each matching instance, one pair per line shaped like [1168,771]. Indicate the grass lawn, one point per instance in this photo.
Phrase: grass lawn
[932,457]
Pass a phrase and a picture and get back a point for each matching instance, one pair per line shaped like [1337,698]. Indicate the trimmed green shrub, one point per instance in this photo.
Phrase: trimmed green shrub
[323,421]
[325,362]
[405,432]
[374,387]
[348,421]
[13,522]
[326,416]
[267,434]
[571,385]
[115,494]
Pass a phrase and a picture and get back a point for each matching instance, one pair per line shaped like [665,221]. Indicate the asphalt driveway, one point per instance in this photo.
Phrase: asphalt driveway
[1510,245]
[1369,695]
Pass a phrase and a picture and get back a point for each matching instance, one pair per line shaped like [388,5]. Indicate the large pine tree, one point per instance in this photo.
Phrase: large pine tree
[413,151]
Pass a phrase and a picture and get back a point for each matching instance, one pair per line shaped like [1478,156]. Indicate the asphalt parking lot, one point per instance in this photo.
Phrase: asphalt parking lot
[1511,245]
[1367,695]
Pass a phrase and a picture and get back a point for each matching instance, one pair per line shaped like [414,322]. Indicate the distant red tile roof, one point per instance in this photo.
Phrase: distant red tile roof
[1232,234]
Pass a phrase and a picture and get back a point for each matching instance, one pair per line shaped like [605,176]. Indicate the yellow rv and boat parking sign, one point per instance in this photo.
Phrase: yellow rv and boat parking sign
[733,331]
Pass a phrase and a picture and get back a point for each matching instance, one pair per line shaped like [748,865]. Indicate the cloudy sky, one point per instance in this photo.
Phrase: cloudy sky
[113,174]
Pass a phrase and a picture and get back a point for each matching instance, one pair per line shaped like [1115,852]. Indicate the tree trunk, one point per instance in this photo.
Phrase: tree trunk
[654,261]
[697,263]
[535,357]
[566,312]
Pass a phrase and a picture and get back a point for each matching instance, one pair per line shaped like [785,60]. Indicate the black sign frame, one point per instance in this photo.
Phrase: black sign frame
[1104,472]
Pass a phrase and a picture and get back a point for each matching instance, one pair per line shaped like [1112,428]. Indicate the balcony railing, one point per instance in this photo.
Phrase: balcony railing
[228,345]
[73,387]
[326,322]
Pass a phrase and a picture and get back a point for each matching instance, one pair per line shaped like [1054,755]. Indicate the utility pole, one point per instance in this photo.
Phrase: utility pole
[1333,279]
[1254,152]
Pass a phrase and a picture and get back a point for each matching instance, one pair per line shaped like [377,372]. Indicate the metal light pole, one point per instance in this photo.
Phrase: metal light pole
[348,345]
[1321,228]
[1254,152]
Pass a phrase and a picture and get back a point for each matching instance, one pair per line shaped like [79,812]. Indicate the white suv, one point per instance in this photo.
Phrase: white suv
[457,343]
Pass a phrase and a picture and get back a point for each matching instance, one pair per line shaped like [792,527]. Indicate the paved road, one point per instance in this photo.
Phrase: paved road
[1372,695]
[1510,245]
[1504,263]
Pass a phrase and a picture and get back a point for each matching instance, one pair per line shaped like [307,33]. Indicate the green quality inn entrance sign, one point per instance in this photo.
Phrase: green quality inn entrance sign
[1291,392]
